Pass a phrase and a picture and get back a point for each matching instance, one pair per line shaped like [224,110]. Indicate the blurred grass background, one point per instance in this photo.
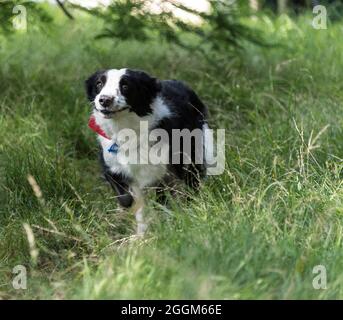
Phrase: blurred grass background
[254,232]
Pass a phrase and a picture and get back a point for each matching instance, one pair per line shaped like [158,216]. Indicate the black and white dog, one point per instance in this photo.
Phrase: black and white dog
[123,99]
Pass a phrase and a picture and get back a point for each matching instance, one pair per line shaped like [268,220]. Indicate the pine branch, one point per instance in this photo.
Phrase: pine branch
[61,5]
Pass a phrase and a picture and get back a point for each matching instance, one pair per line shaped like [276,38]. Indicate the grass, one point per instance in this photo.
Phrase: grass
[254,232]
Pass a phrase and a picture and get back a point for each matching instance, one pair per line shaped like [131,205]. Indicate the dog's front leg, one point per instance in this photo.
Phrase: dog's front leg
[138,210]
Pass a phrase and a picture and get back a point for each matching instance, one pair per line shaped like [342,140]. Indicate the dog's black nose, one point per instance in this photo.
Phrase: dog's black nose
[105,101]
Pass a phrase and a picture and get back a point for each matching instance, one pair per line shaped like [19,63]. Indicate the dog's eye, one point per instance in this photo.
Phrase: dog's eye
[125,87]
[98,85]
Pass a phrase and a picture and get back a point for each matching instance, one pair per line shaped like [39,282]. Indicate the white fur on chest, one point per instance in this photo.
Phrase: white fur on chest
[143,174]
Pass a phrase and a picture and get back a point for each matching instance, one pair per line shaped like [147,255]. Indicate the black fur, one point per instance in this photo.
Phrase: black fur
[90,84]
[142,89]
[188,113]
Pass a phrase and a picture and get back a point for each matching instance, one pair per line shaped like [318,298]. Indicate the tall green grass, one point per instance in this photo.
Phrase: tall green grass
[256,231]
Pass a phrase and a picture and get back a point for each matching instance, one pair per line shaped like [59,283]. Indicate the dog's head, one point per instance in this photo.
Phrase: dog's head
[112,91]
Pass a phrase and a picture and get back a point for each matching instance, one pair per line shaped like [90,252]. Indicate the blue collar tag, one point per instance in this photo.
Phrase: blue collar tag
[114,148]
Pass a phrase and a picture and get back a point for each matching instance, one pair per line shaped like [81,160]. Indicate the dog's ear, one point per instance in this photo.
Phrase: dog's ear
[143,88]
[90,85]
[151,84]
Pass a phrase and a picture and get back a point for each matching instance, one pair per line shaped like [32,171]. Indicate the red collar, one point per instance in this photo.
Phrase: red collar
[96,128]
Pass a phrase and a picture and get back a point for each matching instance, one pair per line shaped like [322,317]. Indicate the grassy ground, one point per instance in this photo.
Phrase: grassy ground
[256,231]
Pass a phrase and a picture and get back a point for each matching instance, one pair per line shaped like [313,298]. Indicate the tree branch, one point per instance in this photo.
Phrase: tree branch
[61,5]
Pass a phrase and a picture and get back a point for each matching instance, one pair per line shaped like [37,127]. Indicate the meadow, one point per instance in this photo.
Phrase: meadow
[254,232]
